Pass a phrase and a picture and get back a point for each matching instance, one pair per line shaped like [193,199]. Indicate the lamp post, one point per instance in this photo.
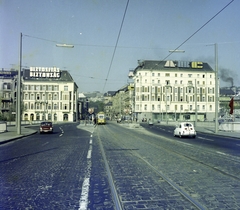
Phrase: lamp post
[18,105]
[216,88]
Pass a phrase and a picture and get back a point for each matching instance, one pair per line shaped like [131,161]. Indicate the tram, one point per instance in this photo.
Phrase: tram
[101,118]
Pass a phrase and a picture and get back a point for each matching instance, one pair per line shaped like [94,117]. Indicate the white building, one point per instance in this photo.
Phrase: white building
[172,90]
[49,94]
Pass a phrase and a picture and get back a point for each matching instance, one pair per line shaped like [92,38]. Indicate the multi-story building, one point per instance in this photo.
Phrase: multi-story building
[123,102]
[8,93]
[174,90]
[49,94]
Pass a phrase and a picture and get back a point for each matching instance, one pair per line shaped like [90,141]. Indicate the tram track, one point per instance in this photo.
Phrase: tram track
[219,155]
[199,164]
[116,196]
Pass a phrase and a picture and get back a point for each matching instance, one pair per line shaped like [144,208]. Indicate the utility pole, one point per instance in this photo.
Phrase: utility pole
[18,108]
[216,88]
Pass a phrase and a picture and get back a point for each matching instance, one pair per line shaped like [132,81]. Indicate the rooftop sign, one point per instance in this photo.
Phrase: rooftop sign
[44,72]
[184,64]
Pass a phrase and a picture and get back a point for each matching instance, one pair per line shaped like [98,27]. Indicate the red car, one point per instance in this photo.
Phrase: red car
[46,127]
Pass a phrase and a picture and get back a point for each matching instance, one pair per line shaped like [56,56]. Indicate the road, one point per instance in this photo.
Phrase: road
[115,166]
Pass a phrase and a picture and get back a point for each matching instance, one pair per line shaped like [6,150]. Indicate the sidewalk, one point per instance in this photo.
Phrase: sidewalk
[11,134]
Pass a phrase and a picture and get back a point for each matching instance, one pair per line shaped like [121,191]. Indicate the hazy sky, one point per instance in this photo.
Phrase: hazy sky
[150,29]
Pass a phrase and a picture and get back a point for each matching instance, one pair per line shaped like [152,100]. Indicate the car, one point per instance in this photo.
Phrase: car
[46,127]
[119,120]
[185,129]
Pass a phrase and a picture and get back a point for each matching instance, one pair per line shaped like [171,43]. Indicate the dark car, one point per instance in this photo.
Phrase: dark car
[46,127]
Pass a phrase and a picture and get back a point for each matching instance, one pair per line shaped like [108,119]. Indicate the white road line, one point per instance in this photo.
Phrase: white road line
[185,143]
[83,202]
[238,145]
[205,138]
[221,153]
[45,144]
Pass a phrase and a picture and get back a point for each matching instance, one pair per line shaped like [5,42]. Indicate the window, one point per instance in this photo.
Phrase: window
[159,74]
[55,97]
[167,75]
[158,81]
[65,106]
[203,107]
[145,107]
[153,107]
[175,75]
[175,81]
[190,107]
[181,107]
[189,75]
[203,76]
[167,82]
[49,87]
[153,74]
[65,88]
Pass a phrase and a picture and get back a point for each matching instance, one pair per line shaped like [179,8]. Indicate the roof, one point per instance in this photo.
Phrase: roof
[173,66]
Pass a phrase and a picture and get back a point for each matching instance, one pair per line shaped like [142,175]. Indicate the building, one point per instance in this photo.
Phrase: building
[82,106]
[8,93]
[123,102]
[174,90]
[49,94]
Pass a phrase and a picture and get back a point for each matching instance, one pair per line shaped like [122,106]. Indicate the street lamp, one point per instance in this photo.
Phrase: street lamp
[216,88]
[18,104]
[177,51]
[18,108]
[65,45]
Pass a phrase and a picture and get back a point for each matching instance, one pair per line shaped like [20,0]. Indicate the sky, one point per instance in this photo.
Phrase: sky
[110,36]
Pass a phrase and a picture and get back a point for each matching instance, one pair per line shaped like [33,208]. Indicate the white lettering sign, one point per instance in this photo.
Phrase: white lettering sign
[44,72]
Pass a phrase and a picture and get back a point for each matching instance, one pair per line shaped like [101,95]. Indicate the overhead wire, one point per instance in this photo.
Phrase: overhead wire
[196,31]
[115,48]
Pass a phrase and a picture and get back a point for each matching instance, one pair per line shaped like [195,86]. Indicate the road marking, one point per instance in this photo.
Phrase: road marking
[238,145]
[83,202]
[205,138]
[221,153]
[45,144]
[185,143]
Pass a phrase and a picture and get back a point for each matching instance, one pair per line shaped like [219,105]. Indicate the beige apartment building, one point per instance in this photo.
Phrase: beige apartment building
[174,90]
[49,94]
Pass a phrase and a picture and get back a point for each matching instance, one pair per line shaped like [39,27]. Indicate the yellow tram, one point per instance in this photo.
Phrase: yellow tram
[101,118]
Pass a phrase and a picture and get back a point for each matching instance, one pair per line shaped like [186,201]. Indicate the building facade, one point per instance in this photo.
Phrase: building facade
[49,94]
[174,90]
[8,93]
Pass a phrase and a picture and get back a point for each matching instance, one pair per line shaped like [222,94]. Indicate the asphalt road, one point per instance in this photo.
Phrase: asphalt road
[117,167]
